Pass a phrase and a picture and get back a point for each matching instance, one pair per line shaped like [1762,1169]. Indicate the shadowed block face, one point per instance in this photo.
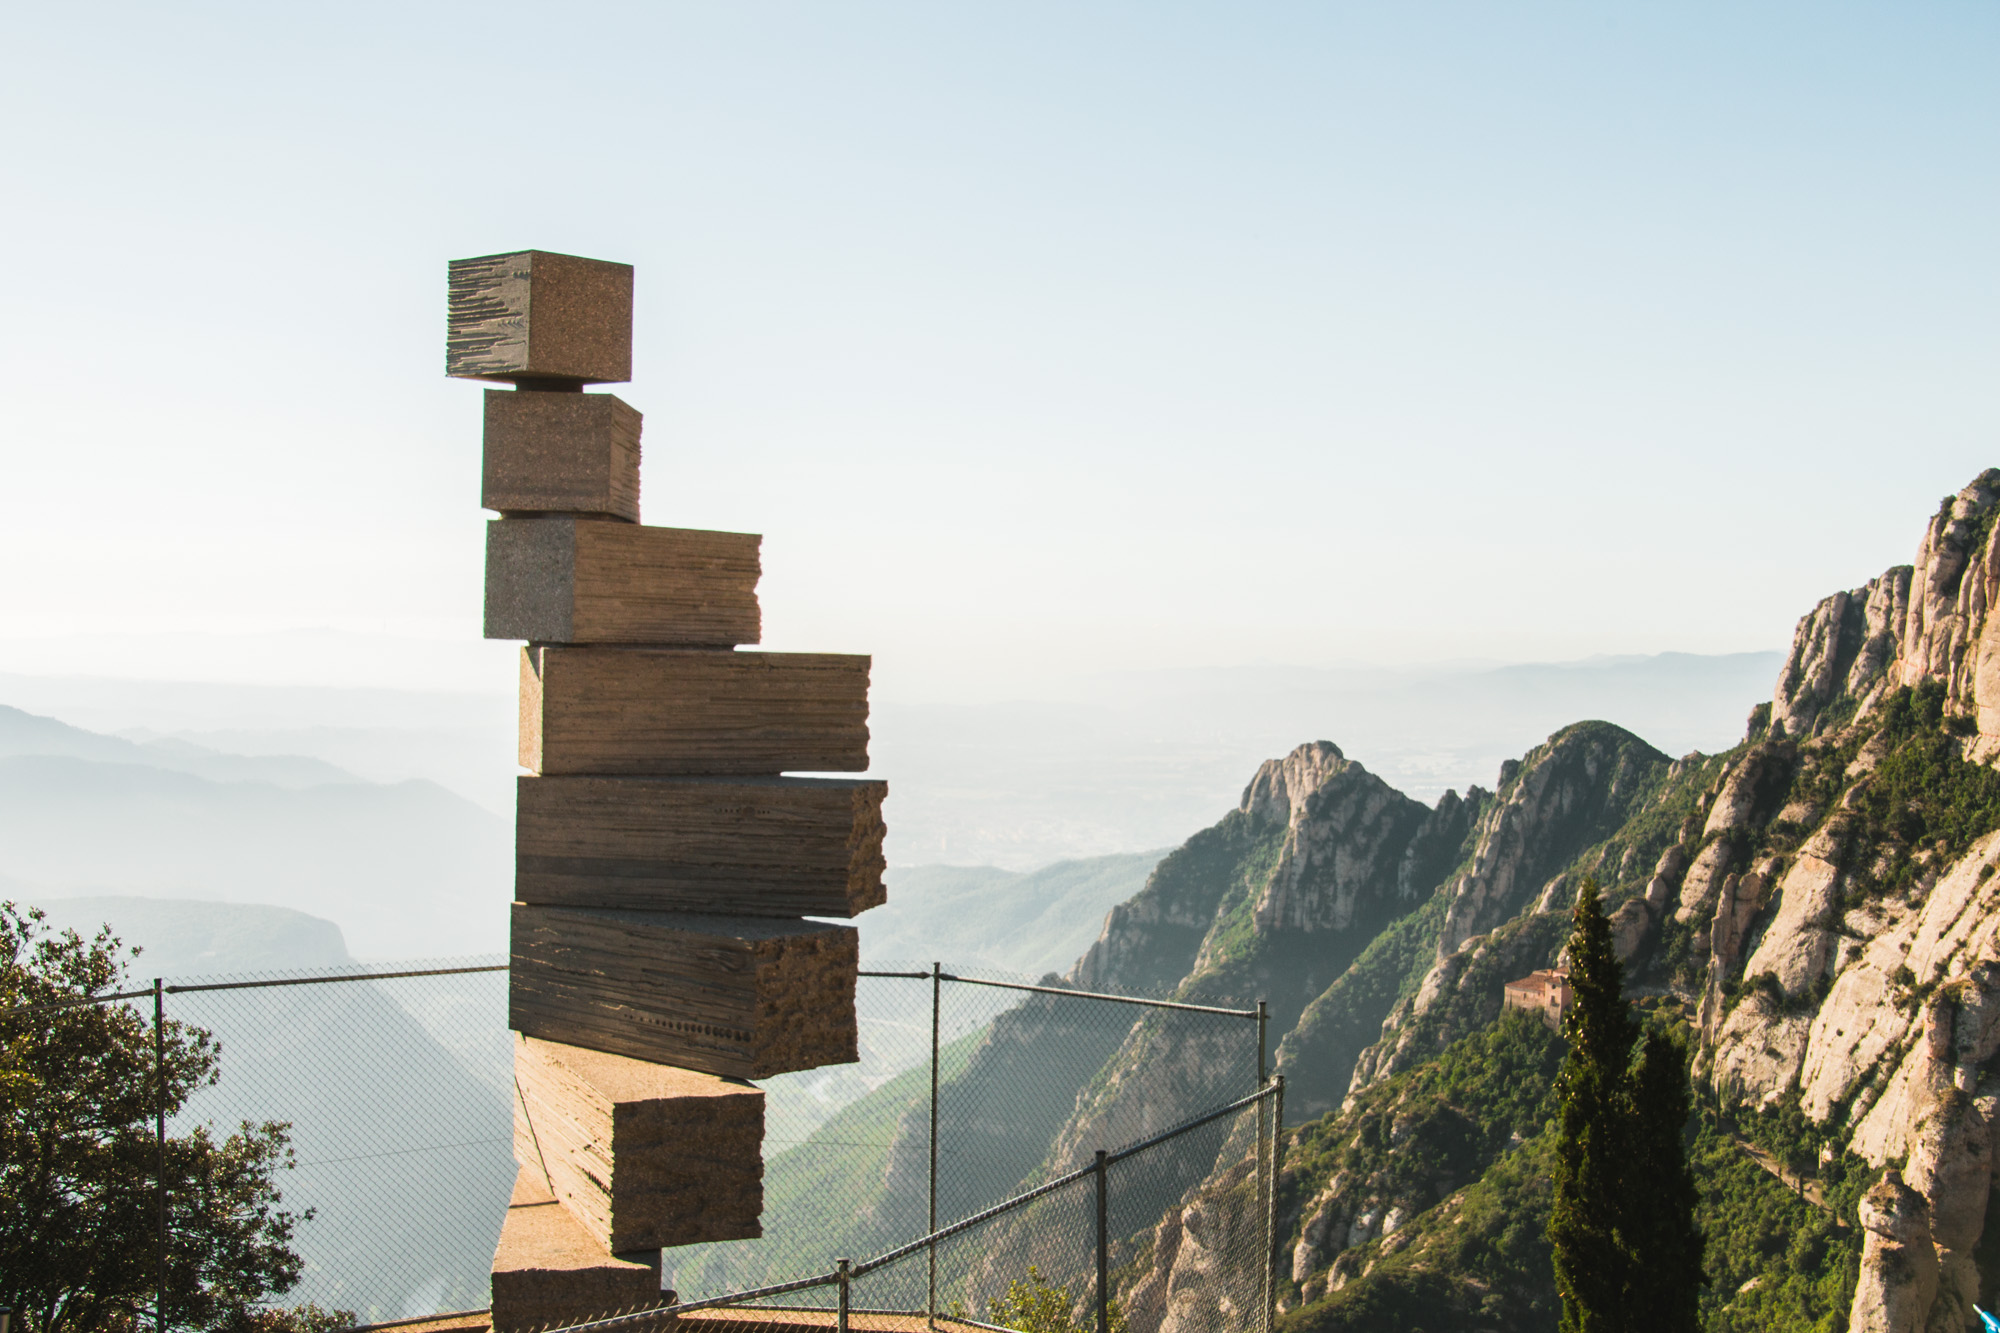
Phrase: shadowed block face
[560,453]
[756,846]
[671,711]
[569,580]
[536,316]
[642,1155]
[742,997]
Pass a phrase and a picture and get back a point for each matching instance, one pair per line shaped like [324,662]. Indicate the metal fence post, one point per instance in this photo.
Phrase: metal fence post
[937,983]
[840,1314]
[1263,1027]
[1103,1246]
[1271,1218]
[160,1148]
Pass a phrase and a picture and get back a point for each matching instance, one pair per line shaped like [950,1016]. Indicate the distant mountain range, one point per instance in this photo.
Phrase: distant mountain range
[407,869]
[1079,768]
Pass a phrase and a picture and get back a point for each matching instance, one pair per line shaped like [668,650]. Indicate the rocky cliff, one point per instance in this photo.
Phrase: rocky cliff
[1816,909]
[1820,902]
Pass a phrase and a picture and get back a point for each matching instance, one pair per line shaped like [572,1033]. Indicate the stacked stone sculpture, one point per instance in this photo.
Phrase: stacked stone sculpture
[663,864]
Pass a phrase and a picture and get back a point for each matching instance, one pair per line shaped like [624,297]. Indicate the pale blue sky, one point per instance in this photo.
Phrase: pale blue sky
[1035,337]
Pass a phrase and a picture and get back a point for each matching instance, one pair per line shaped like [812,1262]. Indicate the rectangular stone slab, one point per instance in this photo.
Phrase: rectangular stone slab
[641,1154]
[560,453]
[744,997]
[548,1271]
[668,711]
[536,315]
[756,846]
[571,580]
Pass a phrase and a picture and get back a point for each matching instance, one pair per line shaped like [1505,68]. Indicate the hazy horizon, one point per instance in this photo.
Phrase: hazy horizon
[1066,338]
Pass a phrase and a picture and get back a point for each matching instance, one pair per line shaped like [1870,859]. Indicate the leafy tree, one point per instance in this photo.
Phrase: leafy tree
[79,1162]
[1035,1305]
[1627,1254]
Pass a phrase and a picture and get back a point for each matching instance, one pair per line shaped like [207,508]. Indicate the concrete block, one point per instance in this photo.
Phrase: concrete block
[744,997]
[536,317]
[560,453]
[548,1272]
[569,580]
[748,846]
[669,711]
[642,1155]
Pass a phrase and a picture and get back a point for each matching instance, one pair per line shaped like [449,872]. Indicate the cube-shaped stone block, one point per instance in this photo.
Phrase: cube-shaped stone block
[533,316]
[744,997]
[669,711]
[570,580]
[560,453]
[548,1272]
[643,1155]
[750,846]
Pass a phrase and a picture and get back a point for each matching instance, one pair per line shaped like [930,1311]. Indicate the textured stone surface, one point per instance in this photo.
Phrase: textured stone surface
[560,453]
[642,1155]
[1899,1269]
[1926,622]
[569,580]
[536,315]
[744,997]
[756,846]
[1346,833]
[1564,790]
[547,1271]
[629,711]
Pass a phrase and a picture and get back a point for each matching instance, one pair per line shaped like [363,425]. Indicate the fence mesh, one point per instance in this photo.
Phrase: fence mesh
[1009,1115]
[397,1091]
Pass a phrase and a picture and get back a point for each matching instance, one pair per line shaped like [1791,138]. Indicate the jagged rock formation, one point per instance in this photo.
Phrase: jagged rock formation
[1823,901]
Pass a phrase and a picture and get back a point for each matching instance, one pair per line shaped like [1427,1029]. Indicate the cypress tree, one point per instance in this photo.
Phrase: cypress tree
[1595,1266]
[1662,1193]
[1626,1248]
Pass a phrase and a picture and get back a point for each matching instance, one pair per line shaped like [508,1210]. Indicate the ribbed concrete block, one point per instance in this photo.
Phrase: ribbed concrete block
[664,711]
[570,580]
[744,997]
[751,846]
[560,453]
[548,1272]
[641,1154]
[532,315]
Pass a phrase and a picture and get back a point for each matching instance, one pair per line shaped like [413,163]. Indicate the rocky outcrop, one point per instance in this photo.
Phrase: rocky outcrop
[1568,793]
[1899,1268]
[1914,624]
[1347,836]
[1842,649]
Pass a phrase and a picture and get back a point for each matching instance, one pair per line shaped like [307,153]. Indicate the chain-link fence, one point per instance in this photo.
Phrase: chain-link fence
[962,1150]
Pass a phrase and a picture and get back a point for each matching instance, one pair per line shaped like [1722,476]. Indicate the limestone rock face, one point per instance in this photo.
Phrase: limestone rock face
[1346,832]
[1565,790]
[1279,791]
[1899,1267]
[1950,591]
[1704,879]
[1799,941]
[1842,647]
[1914,624]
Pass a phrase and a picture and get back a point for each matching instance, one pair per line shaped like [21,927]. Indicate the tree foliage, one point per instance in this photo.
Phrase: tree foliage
[1035,1305]
[79,1161]
[1627,1253]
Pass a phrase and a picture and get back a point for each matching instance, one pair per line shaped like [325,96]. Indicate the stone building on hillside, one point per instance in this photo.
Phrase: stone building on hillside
[1544,992]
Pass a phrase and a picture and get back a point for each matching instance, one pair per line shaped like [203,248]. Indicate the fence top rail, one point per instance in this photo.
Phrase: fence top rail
[160,987]
[1089,995]
[320,981]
